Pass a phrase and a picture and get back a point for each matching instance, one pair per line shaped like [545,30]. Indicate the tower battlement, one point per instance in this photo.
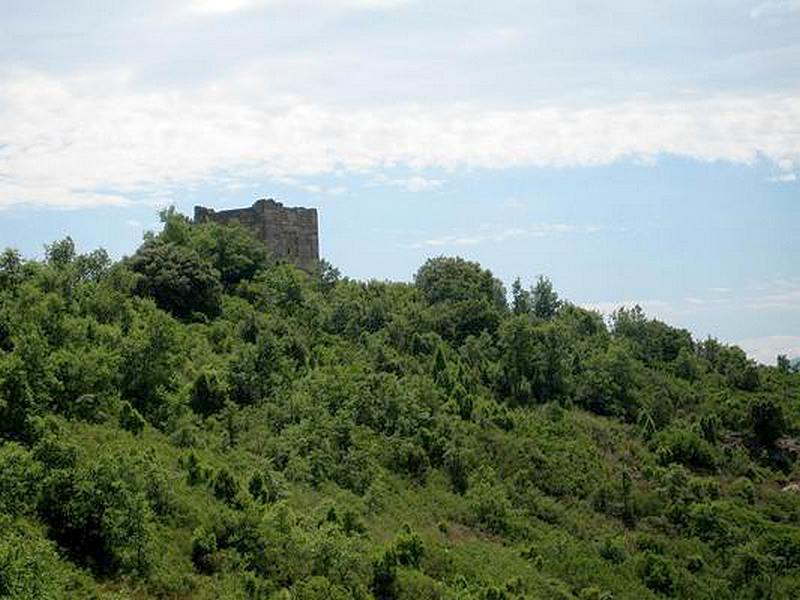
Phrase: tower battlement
[289,233]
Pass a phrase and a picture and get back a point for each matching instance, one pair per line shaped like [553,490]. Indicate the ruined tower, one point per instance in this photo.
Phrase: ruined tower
[289,234]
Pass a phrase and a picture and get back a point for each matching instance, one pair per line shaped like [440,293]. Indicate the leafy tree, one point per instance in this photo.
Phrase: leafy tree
[532,360]
[20,480]
[225,486]
[61,253]
[521,302]
[209,393]
[607,385]
[768,421]
[29,566]
[231,250]
[544,299]
[177,279]
[463,299]
[657,573]
[99,512]
[653,340]
[130,419]
[204,547]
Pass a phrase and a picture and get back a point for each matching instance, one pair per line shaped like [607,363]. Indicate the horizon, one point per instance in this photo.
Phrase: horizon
[634,153]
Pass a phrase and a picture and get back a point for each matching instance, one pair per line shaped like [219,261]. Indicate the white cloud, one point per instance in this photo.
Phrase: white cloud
[784,178]
[95,139]
[766,349]
[133,223]
[514,203]
[775,8]
[650,307]
[417,183]
[776,294]
[230,6]
[537,230]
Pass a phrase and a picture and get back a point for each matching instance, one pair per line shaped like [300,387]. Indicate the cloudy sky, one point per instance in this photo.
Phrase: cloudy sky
[634,151]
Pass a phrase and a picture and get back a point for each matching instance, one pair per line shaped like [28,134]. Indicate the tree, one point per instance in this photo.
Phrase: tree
[230,249]
[463,299]
[607,383]
[532,360]
[209,393]
[59,254]
[545,299]
[20,480]
[520,298]
[653,341]
[99,512]
[767,420]
[178,280]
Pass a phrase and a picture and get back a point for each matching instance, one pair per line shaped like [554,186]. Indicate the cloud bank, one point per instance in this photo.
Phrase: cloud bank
[97,139]
[215,7]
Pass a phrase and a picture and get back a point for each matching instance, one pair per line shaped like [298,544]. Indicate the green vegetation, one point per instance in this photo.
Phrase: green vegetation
[197,422]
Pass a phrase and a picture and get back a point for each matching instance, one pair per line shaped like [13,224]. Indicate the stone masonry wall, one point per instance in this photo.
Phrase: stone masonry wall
[290,234]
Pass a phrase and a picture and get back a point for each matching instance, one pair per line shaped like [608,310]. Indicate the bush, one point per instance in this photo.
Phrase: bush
[204,546]
[767,421]
[384,576]
[225,487]
[488,503]
[100,514]
[408,548]
[209,393]
[686,447]
[613,550]
[130,419]
[656,573]
[178,280]
[29,567]
[20,480]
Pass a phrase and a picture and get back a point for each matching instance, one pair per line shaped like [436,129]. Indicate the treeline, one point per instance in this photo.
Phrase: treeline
[198,421]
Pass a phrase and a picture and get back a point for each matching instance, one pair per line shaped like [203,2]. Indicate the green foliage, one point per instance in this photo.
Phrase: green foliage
[198,421]
[204,547]
[533,361]
[209,393]
[463,299]
[545,302]
[225,486]
[657,573]
[686,447]
[408,548]
[100,513]
[768,421]
[607,385]
[130,419]
[179,281]
[20,480]
[29,567]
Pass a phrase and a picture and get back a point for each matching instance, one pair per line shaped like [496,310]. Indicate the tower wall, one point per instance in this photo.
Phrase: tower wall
[290,234]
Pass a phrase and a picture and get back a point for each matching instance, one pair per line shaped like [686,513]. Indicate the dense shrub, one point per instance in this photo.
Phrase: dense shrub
[686,447]
[177,279]
[29,567]
[20,480]
[100,513]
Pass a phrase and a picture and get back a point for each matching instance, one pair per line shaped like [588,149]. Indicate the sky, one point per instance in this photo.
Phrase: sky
[634,151]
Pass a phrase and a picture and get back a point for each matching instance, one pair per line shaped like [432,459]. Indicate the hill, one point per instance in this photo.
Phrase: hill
[195,421]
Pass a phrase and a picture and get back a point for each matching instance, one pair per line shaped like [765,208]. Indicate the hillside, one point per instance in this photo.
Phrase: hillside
[196,422]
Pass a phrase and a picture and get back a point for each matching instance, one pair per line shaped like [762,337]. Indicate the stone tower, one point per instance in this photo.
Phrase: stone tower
[289,234]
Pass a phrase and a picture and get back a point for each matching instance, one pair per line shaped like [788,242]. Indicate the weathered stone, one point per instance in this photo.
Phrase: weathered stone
[290,234]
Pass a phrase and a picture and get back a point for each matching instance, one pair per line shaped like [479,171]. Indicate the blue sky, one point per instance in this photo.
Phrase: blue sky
[633,151]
